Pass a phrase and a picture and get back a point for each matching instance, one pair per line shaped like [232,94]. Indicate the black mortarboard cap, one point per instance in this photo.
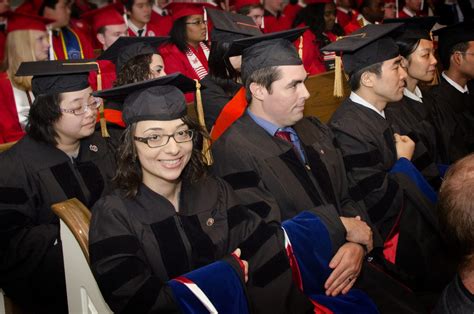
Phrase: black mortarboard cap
[230,26]
[237,46]
[451,35]
[413,27]
[157,99]
[60,76]
[268,53]
[366,46]
[126,48]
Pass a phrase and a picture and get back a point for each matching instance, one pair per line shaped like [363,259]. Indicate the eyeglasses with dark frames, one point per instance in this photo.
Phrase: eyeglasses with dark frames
[81,106]
[158,140]
[197,23]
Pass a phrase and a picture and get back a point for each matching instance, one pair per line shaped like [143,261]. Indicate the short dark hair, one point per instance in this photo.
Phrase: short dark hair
[220,68]
[446,59]
[102,30]
[407,46]
[178,34]
[456,209]
[43,114]
[263,77]
[134,70]
[129,175]
[47,3]
[246,8]
[354,79]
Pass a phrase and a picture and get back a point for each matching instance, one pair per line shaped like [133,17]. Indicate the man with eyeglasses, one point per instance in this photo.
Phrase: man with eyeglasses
[453,112]
[59,158]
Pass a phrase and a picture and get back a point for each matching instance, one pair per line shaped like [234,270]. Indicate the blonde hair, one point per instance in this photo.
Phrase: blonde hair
[19,47]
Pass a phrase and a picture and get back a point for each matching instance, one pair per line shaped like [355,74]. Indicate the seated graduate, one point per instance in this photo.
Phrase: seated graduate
[59,158]
[378,160]
[456,216]
[135,59]
[411,115]
[279,181]
[453,113]
[170,220]
[224,96]
[223,83]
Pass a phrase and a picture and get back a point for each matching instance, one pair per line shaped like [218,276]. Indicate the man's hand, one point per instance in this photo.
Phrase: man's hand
[245,269]
[346,265]
[358,231]
[405,146]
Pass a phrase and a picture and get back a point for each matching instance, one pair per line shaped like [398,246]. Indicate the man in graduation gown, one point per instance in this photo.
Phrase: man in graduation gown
[378,160]
[52,163]
[67,42]
[107,26]
[139,16]
[281,164]
[453,112]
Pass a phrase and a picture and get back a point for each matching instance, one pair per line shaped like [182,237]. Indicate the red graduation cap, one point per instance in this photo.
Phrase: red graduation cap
[181,9]
[22,21]
[108,15]
[317,1]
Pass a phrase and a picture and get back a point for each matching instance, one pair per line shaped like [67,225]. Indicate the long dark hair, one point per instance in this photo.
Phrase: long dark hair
[129,174]
[220,68]
[135,70]
[43,114]
[178,34]
[407,46]
[313,17]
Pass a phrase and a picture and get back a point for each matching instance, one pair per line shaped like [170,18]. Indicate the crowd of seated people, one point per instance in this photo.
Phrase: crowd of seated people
[369,213]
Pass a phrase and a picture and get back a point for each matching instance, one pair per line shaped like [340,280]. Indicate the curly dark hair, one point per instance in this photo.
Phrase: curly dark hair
[44,112]
[135,70]
[313,17]
[129,174]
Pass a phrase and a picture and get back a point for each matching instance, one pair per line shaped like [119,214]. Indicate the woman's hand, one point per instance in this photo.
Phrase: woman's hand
[244,264]
[346,265]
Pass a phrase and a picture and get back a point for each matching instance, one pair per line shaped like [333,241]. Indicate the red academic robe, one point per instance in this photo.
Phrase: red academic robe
[177,61]
[151,31]
[10,129]
[107,70]
[344,18]
[86,46]
[352,27]
[313,58]
[3,39]
[276,24]
[164,23]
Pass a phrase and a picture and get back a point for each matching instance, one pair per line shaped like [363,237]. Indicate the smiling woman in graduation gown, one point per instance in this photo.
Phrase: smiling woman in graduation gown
[60,158]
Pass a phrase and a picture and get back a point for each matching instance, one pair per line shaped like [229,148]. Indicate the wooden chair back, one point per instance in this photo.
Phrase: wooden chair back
[321,102]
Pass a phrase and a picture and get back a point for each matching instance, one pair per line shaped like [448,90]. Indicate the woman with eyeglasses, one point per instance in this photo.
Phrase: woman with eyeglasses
[187,52]
[59,158]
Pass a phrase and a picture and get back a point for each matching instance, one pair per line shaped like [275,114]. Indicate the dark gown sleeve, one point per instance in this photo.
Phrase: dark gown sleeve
[24,241]
[120,266]
[243,173]
[214,99]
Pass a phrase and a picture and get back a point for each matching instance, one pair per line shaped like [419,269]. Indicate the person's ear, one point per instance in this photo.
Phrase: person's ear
[404,63]
[367,79]
[257,90]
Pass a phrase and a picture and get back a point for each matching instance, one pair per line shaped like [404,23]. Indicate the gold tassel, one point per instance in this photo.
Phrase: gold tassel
[300,48]
[103,122]
[338,83]
[206,145]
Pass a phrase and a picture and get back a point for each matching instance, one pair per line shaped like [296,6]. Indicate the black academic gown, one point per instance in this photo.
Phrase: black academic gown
[215,97]
[392,199]
[410,117]
[270,179]
[453,118]
[138,244]
[34,176]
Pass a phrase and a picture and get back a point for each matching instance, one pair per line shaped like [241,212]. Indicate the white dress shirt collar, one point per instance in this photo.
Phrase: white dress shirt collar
[417,95]
[455,85]
[361,101]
